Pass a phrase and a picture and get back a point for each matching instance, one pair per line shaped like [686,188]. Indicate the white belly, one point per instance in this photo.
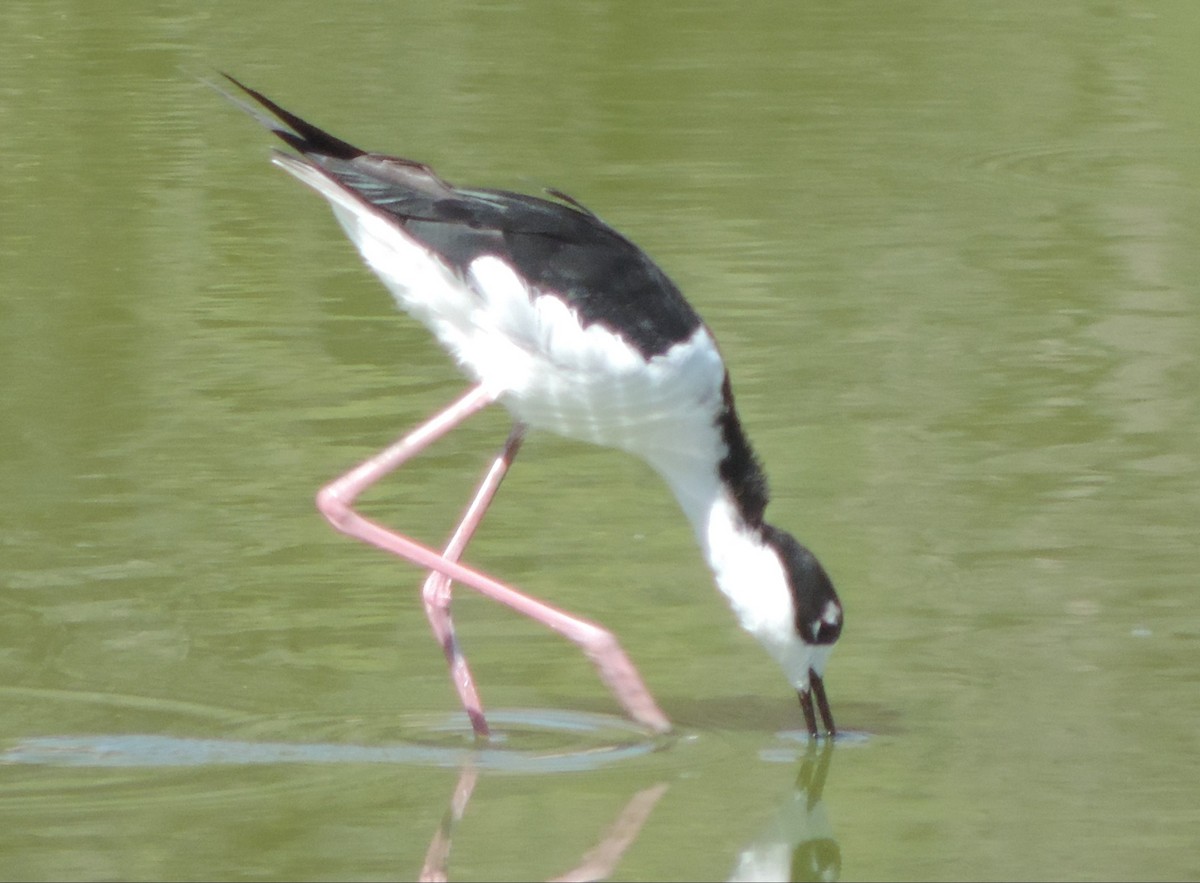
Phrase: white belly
[545,367]
[586,383]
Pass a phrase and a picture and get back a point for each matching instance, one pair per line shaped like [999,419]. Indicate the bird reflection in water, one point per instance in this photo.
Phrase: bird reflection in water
[598,863]
[798,844]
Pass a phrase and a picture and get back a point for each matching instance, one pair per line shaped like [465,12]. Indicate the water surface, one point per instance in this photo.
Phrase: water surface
[949,252]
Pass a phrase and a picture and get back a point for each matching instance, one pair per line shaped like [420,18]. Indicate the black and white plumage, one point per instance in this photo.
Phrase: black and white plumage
[575,330]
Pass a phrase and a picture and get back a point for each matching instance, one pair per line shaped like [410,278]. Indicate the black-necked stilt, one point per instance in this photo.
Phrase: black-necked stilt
[570,326]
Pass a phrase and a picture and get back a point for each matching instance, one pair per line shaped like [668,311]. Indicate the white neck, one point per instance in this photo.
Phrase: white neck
[747,572]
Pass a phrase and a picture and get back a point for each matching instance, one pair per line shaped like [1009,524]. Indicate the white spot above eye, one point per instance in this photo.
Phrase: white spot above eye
[832,614]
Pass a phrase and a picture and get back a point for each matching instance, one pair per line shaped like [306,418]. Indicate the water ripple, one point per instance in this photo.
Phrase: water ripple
[558,742]
[1055,166]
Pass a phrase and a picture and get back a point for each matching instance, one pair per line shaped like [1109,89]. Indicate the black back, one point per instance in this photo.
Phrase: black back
[556,245]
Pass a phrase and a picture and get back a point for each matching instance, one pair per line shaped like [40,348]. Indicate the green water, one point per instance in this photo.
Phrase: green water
[950,253]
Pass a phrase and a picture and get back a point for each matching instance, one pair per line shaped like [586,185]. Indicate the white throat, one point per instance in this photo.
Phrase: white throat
[748,572]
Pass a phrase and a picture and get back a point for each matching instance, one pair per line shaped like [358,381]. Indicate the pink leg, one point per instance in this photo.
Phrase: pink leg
[436,591]
[336,500]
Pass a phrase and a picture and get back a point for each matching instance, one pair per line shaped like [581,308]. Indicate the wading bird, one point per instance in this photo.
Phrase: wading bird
[572,328]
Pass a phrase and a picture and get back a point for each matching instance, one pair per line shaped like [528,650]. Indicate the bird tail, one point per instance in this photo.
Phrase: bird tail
[298,133]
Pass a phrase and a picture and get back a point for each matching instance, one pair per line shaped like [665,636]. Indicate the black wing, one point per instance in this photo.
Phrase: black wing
[557,246]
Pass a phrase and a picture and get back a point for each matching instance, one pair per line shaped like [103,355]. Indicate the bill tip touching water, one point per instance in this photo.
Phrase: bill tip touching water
[573,329]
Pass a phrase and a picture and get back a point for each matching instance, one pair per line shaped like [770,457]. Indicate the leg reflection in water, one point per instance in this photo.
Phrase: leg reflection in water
[598,863]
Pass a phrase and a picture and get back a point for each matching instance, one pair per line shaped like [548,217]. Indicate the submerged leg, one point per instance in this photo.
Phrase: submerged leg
[336,500]
[436,592]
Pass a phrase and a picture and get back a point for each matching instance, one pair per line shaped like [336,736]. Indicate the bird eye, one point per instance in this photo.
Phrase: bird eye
[825,632]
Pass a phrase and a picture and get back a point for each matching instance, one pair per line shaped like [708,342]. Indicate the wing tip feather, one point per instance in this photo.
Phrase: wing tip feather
[293,130]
